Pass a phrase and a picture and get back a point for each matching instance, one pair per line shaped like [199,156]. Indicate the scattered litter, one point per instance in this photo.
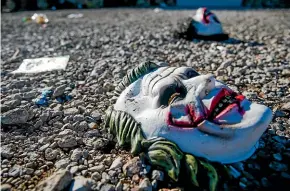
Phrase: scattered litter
[157,10]
[38,18]
[44,98]
[64,98]
[47,95]
[42,64]
[75,16]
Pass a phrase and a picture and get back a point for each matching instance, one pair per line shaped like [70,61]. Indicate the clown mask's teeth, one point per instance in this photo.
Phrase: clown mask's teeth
[223,103]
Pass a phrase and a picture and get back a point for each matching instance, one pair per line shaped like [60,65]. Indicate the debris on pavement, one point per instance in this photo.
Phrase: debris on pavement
[47,95]
[75,15]
[43,100]
[38,18]
[44,64]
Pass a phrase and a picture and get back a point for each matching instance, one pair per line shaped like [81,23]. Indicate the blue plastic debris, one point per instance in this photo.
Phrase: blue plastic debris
[43,101]
[46,95]
[64,98]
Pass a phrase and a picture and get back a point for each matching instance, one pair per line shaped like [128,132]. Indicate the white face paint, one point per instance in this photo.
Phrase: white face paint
[206,23]
[200,114]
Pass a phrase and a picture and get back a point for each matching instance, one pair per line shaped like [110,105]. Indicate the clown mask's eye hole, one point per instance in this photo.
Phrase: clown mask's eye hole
[191,74]
[215,19]
[173,97]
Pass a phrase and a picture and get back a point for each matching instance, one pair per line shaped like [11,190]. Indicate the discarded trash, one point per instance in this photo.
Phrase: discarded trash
[43,100]
[42,64]
[38,18]
[194,117]
[47,95]
[64,98]
[204,25]
[157,10]
[75,16]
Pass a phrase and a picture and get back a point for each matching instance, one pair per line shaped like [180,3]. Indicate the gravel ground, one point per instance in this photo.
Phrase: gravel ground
[103,45]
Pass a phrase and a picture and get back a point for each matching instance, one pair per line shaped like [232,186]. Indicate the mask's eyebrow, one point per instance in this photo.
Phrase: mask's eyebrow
[167,72]
[149,77]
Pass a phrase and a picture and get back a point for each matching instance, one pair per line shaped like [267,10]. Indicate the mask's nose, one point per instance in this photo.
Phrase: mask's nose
[202,85]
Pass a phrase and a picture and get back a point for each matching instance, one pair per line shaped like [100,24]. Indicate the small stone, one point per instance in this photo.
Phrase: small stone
[112,173]
[38,124]
[82,126]
[76,154]
[58,181]
[117,163]
[15,116]
[100,168]
[44,117]
[44,129]
[277,156]
[14,171]
[29,171]
[105,177]
[6,151]
[96,116]
[279,139]
[42,148]
[158,175]
[132,167]
[80,183]
[66,132]
[107,161]
[92,125]
[145,185]
[67,142]
[242,185]
[12,103]
[278,167]
[265,182]
[59,91]
[92,133]
[136,178]
[285,175]
[71,111]
[5,187]
[84,172]
[62,163]
[38,172]
[74,169]
[50,154]
[108,187]
[29,95]
[99,144]
[78,117]
[279,113]
[96,176]
[286,106]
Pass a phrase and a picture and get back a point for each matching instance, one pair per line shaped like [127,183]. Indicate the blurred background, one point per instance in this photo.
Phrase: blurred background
[21,5]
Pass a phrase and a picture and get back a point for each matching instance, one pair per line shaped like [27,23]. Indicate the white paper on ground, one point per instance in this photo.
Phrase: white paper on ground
[42,64]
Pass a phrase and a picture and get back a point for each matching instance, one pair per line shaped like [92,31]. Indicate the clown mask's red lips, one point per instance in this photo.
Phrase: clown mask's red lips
[225,101]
